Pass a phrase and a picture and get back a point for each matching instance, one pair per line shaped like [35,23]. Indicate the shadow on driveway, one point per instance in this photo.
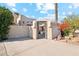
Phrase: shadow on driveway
[18,39]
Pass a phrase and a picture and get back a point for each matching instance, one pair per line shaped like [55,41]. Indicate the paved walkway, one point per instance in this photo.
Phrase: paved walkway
[41,47]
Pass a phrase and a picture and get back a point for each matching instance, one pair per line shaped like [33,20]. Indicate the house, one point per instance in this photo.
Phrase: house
[32,28]
[22,20]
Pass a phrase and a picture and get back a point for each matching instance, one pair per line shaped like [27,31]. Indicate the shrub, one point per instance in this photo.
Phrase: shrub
[6,19]
[66,32]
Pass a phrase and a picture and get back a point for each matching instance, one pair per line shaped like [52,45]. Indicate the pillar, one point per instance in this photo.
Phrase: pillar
[34,28]
[49,30]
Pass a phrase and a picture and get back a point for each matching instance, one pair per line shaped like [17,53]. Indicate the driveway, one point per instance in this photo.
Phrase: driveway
[41,47]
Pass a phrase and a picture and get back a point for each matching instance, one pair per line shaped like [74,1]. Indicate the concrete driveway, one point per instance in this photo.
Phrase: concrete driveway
[41,47]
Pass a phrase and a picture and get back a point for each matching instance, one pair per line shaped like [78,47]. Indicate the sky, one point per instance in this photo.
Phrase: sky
[43,10]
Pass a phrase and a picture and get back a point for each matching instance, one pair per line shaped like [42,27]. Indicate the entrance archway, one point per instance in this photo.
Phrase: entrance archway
[42,30]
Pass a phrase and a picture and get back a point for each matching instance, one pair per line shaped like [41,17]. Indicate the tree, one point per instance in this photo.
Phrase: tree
[6,19]
[65,28]
[64,25]
[73,20]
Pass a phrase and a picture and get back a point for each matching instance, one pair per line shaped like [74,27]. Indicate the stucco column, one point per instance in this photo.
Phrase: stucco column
[34,30]
[49,30]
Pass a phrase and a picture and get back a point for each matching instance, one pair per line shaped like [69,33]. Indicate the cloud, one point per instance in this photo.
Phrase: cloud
[40,18]
[60,18]
[51,17]
[31,3]
[30,16]
[33,16]
[48,17]
[24,9]
[11,4]
[49,6]
[69,13]
[14,9]
[70,6]
[75,5]
[43,11]
[63,13]
[39,5]
[44,7]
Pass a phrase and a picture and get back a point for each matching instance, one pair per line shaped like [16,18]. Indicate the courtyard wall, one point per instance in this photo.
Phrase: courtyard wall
[20,32]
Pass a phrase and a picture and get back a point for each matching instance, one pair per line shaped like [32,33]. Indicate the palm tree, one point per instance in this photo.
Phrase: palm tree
[56,12]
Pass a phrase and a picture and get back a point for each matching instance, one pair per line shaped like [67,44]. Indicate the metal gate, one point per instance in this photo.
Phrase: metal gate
[41,30]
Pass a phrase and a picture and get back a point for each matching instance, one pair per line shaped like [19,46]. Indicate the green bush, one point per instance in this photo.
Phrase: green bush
[66,32]
[6,19]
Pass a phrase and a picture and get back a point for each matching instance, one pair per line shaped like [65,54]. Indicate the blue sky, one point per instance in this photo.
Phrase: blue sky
[43,10]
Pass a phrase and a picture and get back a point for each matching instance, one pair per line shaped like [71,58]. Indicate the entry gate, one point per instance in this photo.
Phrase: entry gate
[42,30]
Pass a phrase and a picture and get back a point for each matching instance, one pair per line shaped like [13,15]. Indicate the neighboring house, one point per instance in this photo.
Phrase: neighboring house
[22,20]
[26,21]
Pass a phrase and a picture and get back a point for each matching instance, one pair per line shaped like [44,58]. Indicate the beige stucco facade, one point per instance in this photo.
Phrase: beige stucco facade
[28,27]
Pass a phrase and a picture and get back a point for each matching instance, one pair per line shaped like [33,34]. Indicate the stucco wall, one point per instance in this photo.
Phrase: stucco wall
[19,32]
[25,20]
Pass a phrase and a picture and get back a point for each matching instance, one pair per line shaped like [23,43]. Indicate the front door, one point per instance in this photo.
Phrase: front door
[41,29]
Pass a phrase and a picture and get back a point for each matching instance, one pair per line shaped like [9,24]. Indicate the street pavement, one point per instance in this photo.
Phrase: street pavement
[41,47]
[2,49]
